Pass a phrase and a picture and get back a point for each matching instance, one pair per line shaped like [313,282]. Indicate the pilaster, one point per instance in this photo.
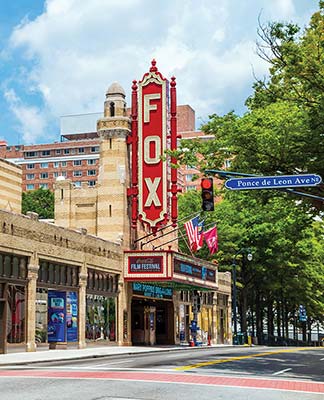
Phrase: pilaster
[124,315]
[82,307]
[32,275]
[214,338]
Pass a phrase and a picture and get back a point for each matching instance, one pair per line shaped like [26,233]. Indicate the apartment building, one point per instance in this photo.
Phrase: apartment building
[76,155]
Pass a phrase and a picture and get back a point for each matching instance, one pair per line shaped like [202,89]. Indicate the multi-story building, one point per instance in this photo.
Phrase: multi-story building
[89,278]
[76,155]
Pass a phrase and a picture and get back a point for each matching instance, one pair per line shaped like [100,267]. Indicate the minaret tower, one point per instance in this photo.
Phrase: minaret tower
[113,180]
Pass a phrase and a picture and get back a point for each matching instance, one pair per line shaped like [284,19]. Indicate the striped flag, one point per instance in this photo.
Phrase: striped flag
[194,229]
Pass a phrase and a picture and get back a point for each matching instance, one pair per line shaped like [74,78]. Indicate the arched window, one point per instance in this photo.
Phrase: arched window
[112,109]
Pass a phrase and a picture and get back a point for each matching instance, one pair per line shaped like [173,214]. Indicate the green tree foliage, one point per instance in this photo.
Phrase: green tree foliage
[40,201]
[282,132]
[296,77]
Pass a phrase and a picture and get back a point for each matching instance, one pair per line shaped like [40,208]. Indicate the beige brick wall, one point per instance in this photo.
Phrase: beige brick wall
[10,186]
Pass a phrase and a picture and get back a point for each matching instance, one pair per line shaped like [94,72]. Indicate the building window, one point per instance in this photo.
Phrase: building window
[92,183]
[189,177]
[91,162]
[81,150]
[66,151]
[77,162]
[77,184]
[43,175]
[58,151]
[30,166]
[31,154]
[63,173]
[227,163]
[17,148]
[56,164]
[30,176]
[91,172]
[55,174]
[63,163]
[43,185]
[46,153]
[73,151]
[44,165]
[8,148]
[30,186]
[77,173]
[95,149]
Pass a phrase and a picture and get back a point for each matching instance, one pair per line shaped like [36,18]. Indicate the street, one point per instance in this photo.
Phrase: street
[200,373]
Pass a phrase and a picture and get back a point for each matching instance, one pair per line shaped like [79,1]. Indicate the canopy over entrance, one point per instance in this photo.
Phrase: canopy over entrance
[170,269]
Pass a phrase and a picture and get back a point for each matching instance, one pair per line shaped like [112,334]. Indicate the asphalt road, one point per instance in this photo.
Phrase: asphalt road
[211,373]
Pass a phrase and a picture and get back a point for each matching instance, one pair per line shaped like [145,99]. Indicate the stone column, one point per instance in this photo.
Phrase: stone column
[123,314]
[32,275]
[214,336]
[83,276]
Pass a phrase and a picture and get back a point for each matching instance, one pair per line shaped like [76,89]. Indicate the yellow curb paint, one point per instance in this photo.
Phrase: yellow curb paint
[230,359]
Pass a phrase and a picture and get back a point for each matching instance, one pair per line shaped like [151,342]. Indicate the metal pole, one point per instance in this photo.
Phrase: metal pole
[234,303]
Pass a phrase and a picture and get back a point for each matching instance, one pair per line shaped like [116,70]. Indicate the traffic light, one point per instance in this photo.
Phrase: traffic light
[207,194]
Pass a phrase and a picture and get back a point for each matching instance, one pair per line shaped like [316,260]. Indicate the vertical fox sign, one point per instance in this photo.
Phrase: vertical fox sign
[154,183]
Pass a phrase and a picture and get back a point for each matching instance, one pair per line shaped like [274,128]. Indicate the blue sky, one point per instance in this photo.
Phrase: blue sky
[58,57]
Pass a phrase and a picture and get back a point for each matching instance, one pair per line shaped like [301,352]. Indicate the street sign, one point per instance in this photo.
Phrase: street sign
[273,182]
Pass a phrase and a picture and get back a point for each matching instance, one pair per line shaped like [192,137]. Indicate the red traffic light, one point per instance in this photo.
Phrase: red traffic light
[207,194]
[206,183]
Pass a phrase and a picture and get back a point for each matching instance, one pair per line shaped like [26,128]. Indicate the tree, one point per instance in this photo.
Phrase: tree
[296,76]
[40,201]
[282,132]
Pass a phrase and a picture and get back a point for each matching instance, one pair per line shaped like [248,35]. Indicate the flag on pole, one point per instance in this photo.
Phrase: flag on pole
[194,229]
[211,238]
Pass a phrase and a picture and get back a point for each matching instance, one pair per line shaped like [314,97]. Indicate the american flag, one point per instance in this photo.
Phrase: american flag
[194,229]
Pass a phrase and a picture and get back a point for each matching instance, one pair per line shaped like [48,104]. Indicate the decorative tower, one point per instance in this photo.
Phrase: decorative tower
[113,180]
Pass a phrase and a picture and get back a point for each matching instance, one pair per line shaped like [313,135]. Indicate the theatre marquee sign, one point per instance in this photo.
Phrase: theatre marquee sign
[169,266]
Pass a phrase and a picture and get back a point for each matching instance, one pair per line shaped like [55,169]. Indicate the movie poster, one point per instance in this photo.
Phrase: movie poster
[72,316]
[56,316]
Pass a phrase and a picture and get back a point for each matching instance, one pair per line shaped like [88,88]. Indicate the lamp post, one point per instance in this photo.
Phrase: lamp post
[249,257]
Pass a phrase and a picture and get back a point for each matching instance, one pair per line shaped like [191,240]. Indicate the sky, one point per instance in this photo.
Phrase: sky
[58,57]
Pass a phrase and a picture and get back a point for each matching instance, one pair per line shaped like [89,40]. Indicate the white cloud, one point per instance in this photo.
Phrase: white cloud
[32,120]
[78,48]
[283,8]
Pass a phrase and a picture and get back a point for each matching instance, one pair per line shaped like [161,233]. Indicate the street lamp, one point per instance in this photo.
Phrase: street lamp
[249,257]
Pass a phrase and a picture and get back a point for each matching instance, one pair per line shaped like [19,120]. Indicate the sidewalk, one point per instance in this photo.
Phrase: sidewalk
[45,355]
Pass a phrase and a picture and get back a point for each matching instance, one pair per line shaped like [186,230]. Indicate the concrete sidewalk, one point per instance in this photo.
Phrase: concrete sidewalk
[45,355]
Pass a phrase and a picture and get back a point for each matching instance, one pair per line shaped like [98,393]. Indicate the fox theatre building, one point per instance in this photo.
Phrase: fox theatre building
[177,299]
[173,298]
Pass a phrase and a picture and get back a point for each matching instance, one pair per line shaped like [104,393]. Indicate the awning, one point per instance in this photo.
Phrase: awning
[170,269]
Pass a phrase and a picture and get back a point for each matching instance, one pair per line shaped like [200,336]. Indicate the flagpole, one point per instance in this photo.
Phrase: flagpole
[183,237]
[164,227]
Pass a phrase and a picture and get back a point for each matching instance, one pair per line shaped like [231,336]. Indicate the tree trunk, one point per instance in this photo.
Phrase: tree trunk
[278,319]
[270,319]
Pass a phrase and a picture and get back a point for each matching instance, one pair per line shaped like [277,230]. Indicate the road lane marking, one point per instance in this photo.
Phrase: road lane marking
[282,371]
[114,362]
[238,358]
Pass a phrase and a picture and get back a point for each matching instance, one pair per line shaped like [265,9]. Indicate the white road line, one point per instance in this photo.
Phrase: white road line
[282,371]
[113,362]
[322,359]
